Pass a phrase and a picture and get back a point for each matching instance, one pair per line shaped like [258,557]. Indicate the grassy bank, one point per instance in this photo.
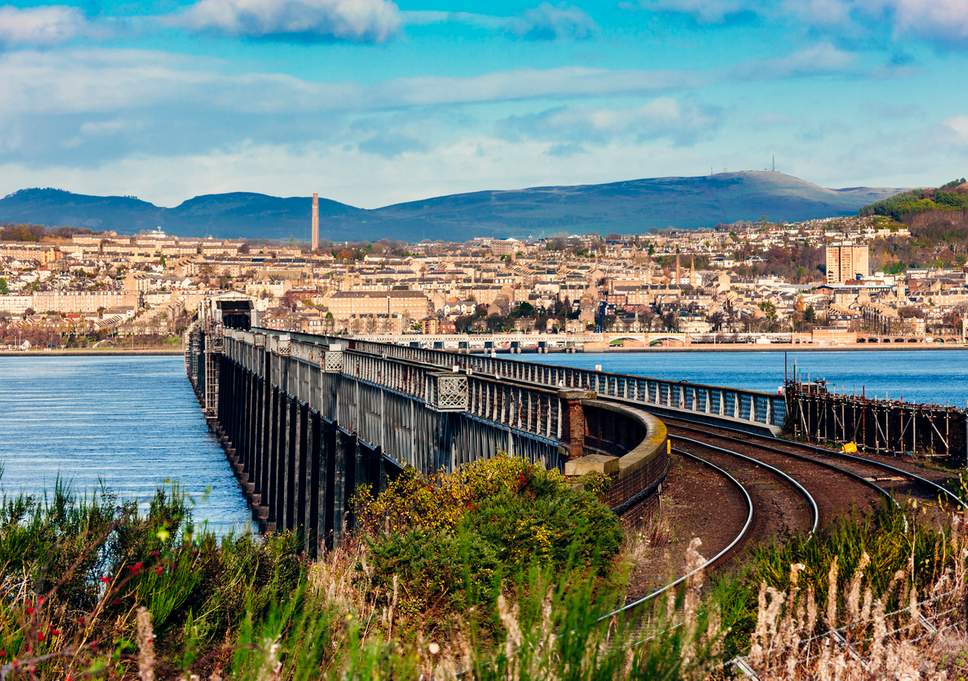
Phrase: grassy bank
[501,570]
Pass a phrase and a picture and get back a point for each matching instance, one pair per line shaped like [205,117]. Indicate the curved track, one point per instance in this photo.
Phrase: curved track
[762,477]
[776,504]
[722,554]
[837,489]
[891,480]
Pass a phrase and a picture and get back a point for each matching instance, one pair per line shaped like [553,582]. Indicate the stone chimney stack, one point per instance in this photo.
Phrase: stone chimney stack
[315,222]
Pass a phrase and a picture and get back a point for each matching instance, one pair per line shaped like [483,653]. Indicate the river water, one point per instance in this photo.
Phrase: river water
[129,423]
[132,424]
[936,376]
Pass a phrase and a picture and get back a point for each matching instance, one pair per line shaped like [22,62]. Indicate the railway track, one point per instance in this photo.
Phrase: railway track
[775,503]
[775,491]
[721,555]
[895,480]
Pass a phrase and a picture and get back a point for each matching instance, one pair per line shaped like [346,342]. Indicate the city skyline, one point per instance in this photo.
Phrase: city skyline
[373,102]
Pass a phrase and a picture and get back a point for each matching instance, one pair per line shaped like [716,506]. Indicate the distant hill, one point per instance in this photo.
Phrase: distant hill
[237,214]
[623,207]
[57,208]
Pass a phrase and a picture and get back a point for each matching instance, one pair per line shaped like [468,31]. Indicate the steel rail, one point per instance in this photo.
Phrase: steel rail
[814,509]
[823,451]
[710,562]
[854,475]
[815,512]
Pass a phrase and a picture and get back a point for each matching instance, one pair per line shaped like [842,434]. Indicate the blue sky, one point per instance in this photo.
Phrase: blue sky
[376,101]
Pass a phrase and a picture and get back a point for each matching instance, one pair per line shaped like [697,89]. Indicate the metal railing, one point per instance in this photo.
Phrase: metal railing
[750,407]
[535,409]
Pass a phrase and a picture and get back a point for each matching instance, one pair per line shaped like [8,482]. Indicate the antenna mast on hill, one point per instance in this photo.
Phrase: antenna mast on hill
[774,163]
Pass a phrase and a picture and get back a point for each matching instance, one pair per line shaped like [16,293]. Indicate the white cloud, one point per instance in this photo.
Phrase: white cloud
[944,20]
[663,117]
[568,81]
[310,20]
[957,126]
[551,22]
[820,59]
[547,21]
[98,80]
[44,25]
[706,11]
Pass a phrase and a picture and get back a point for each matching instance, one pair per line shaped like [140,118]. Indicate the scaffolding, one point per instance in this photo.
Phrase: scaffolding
[890,427]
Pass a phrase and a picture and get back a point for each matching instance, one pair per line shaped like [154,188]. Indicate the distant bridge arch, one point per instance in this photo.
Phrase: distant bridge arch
[675,340]
[634,341]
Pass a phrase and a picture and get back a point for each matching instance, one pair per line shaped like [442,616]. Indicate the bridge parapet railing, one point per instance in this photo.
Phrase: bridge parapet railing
[534,409]
[755,407]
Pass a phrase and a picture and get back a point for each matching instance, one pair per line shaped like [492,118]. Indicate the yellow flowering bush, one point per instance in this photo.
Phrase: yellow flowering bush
[439,501]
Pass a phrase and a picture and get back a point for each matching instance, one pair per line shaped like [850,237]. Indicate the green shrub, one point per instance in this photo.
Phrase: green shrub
[446,543]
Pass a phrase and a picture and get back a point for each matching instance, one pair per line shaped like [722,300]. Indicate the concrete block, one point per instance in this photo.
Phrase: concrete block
[592,463]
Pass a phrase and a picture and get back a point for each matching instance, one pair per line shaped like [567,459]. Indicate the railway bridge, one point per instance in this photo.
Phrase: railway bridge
[305,420]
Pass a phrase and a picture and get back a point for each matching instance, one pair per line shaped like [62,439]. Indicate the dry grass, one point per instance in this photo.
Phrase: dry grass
[899,633]
[146,645]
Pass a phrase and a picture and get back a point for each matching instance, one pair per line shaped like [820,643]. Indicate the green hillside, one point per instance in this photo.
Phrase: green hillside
[952,196]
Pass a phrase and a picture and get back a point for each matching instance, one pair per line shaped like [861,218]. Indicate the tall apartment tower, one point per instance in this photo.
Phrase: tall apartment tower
[315,222]
[845,262]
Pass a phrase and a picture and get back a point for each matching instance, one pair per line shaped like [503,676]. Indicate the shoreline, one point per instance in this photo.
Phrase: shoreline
[81,352]
[774,347]
[694,347]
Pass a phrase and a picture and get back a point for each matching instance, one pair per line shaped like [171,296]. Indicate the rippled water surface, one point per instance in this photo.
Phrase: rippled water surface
[938,376]
[131,423]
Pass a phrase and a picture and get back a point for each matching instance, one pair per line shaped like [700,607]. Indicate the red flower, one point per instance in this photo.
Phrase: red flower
[136,568]
[41,636]
[106,580]
[30,610]
[55,632]
[40,600]
[159,569]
